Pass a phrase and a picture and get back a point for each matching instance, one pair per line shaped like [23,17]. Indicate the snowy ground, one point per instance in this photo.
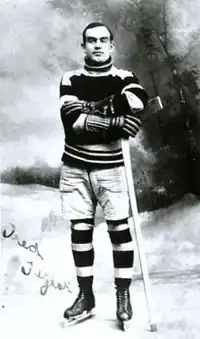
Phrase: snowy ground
[171,238]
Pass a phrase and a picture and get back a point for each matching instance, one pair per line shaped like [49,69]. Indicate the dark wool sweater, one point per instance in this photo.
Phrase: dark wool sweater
[94,83]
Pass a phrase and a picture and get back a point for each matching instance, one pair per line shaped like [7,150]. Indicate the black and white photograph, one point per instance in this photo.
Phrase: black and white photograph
[99,168]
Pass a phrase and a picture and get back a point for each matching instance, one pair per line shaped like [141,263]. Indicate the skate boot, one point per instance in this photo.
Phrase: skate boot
[82,307]
[124,309]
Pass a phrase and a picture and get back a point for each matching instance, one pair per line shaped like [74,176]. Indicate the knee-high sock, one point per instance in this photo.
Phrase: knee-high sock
[123,253]
[83,252]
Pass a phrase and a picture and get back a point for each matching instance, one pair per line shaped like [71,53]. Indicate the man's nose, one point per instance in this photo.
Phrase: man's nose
[98,44]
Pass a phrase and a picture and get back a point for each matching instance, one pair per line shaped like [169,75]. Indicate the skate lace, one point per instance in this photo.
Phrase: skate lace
[123,298]
[78,301]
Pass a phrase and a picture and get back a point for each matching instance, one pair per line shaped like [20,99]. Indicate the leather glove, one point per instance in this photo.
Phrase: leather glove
[127,125]
[116,105]
[75,108]
[101,107]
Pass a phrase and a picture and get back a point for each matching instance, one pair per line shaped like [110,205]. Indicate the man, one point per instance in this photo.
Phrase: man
[100,104]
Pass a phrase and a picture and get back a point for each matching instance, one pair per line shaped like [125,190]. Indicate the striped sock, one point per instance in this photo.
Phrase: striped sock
[123,253]
[83,252]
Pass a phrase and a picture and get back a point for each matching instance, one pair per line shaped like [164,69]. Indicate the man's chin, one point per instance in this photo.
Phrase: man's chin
[99,59]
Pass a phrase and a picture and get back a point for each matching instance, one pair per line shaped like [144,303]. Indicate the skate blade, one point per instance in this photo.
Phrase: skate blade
[68,323]
[124,325]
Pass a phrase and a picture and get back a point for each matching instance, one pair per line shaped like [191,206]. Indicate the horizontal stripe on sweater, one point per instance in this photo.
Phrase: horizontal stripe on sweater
[91,156]
[98,149]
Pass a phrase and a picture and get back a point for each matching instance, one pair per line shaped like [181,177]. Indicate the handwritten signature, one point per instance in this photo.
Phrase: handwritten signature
[34,248]
[27,271]
[48,282]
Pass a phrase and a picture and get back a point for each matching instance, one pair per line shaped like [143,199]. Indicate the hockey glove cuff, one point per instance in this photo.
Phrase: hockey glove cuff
[127,125]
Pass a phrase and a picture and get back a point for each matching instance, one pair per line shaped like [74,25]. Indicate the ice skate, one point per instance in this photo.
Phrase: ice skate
[81,309]
[124,308]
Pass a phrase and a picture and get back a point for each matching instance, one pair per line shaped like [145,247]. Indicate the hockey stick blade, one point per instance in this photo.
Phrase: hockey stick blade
[154,106]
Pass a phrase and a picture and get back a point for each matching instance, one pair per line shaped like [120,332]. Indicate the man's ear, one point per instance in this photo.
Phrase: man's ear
[83,48]
[112,45]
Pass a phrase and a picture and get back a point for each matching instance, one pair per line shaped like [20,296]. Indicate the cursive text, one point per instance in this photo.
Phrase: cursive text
[44,276]
[34,248]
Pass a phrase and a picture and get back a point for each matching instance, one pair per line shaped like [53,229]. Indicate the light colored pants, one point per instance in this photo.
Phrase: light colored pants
[82,189]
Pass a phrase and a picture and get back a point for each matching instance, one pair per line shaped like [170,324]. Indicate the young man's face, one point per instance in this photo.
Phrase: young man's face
[98,46]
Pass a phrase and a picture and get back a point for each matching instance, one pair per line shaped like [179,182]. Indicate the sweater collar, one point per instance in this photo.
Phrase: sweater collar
[91,65]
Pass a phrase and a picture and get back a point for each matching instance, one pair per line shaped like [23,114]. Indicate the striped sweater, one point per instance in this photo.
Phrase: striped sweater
[92,84]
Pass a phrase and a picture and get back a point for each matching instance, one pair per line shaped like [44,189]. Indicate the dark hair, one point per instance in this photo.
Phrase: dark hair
[93,25]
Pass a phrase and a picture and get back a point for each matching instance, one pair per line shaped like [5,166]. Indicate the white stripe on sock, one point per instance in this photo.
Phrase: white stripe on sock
[82,227]
[82,247]
[128,246]
[123,272]
[86,271]
[115,228]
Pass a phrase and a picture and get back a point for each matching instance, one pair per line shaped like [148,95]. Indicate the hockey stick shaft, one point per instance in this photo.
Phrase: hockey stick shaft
[138,233]
[154,106]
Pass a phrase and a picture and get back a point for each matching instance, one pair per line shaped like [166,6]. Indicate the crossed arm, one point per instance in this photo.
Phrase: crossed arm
[117,112]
